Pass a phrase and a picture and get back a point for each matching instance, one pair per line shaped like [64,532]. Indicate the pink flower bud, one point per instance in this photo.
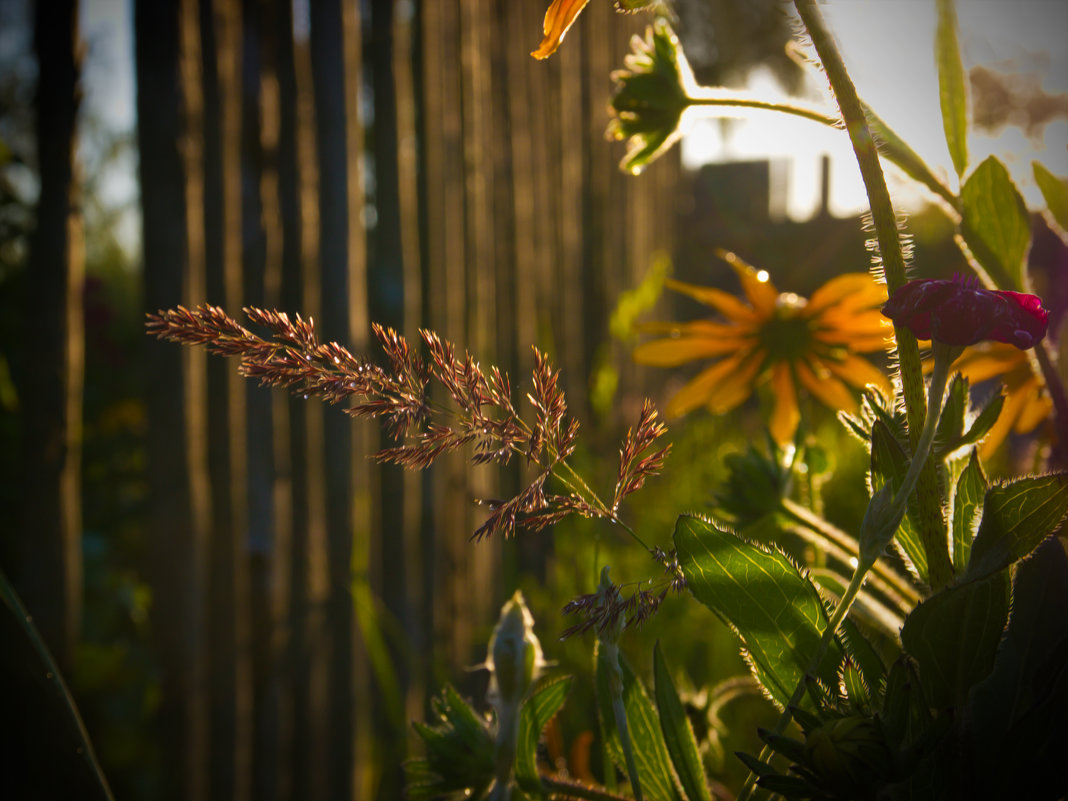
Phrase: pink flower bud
[961,313]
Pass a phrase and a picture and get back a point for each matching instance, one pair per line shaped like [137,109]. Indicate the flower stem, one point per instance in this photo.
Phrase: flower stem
[722,97]
[931,523]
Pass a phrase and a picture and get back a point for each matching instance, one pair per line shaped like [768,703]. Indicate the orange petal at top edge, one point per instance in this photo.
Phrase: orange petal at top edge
[559,17]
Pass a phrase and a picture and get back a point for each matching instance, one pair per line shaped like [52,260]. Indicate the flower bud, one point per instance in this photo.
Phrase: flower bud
[515,657]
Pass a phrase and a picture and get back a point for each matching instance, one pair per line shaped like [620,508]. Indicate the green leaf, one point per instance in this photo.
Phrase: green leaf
[1015,717]
[536,713]
[862,654]
[906,715]
[967,509]
[678,733]
[1055,192]
[889,463]
[953,637]
[643,725]
[951,422]
[985,420]
[995,224]
[856,688]
[1016,518]
[775,611]
[951,88]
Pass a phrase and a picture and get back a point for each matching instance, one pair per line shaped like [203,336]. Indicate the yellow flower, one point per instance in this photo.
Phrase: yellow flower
[1027,404]
[557,20]
[782,339]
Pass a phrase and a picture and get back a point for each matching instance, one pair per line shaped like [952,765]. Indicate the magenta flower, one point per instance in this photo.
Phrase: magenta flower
[961,313]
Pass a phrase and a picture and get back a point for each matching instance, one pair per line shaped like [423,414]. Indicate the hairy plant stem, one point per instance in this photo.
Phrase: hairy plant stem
[930,523]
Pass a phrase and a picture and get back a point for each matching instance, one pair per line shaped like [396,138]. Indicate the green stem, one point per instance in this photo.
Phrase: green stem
[890,582]
[929,502]
[722,97]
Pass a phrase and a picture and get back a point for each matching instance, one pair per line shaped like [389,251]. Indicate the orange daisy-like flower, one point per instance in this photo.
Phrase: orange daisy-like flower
[1027,403]
[779,338]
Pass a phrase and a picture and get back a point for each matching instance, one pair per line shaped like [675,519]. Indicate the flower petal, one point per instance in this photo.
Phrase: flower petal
[704,328]
[698,390]
[679,350]
[723,302]
[858,372]
[996,435]
[760,291]
[559,17]
[731,392]
[961,313]
[1036,409]
[853,290]
[989,360]
[784,414]
[827,389]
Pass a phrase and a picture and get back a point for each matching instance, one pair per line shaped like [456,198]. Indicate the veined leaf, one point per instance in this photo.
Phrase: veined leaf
[775,611]
[1055,193]
[647,741]
[950,430]
[951,88]
[967,507]
[1016,518]
[889,463]
[536,713]
[995,224]
[953,637]
[678,733]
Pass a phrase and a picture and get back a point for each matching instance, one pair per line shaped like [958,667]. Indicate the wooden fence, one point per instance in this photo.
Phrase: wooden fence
[402,162]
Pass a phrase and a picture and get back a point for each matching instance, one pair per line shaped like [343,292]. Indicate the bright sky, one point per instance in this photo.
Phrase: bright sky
[889,50]
[888,47]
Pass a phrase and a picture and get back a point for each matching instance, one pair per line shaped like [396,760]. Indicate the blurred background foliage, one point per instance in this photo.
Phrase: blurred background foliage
[245,605]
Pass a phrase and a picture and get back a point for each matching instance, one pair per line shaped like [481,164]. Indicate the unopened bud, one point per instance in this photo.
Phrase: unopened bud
[515,656]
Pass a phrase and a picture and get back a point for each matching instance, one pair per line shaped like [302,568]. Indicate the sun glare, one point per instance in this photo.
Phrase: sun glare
[1020,40]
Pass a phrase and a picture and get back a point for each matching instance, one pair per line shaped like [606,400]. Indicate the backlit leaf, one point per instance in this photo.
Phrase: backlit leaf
[1055,192]
[951,87]
[1016,518]
[889,463]
[643,726]
[995,224]
[678,733]
[536,713]
[775,611]
[967,507]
